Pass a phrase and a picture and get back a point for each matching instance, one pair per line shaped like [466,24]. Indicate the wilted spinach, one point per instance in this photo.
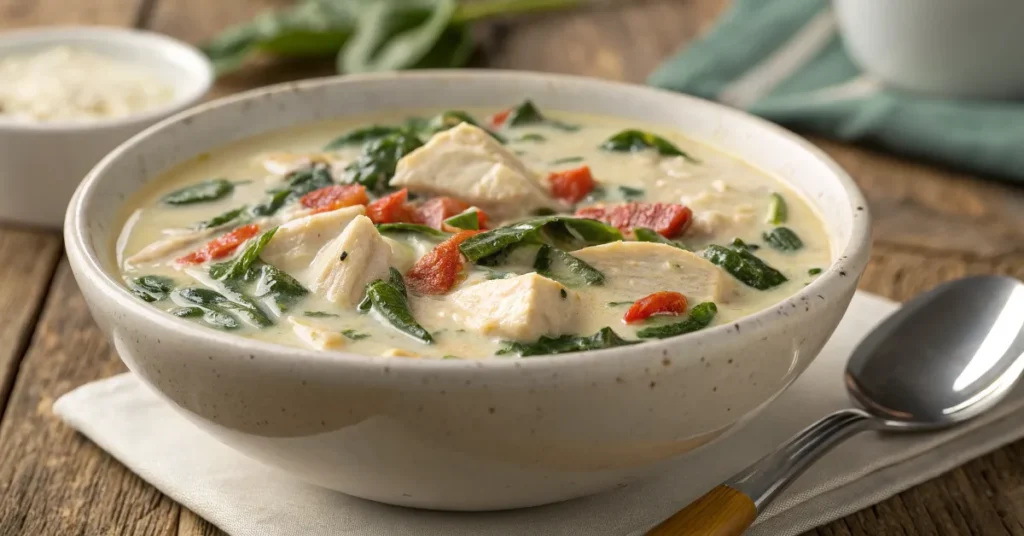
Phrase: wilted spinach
[209,190]
[633,140]
[368,35]
[376,164]
[604,338]
[527,114]
[151,288]
[562,232]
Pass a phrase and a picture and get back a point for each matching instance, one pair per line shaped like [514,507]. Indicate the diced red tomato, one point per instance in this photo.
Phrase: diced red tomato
[438,271]
[335,197]
[391,209]
[434,211]
[222,246]
[498,119]
[572,185]
[659,303]
[670,220]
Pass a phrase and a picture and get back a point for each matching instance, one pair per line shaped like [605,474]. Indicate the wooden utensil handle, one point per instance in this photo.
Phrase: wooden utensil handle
[722,511]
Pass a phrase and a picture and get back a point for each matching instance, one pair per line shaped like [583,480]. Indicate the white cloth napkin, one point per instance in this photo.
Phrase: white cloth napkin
[244,497]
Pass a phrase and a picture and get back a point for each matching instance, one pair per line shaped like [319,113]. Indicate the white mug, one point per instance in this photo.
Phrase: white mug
[949,48]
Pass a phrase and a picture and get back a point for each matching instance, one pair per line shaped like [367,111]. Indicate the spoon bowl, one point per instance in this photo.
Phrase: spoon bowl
[945,357]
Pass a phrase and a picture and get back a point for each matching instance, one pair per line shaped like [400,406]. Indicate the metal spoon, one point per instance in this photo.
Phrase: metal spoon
[943,358]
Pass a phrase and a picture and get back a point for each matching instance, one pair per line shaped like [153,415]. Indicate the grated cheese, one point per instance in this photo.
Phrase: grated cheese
[63,83]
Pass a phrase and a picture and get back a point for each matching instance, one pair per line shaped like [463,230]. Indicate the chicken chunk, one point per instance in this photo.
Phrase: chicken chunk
[521,308]
[343,268]
[296,243]
[318,337]
[636,269]
[166,247]
[467,163]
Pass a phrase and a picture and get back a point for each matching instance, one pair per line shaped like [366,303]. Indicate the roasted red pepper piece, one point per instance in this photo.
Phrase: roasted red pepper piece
[335,197]
[391,209]
[438,271]
[670,220]
[572,185]
[498,119]
[222,246]
[434,211]
[659,303]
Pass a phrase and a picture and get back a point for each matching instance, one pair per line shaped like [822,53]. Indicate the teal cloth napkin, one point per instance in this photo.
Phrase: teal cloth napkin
[783,60]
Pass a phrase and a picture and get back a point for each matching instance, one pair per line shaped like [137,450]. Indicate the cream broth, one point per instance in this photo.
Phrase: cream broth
[492,302]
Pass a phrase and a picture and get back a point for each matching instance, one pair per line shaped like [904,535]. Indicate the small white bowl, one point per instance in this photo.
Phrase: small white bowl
[946,48]
[42,163]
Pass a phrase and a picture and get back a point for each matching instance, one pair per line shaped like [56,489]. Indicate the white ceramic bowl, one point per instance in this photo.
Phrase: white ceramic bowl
[41,164]
[948,48]
[466,435]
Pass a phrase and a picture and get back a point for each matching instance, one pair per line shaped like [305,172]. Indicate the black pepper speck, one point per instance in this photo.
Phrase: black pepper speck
[344,255]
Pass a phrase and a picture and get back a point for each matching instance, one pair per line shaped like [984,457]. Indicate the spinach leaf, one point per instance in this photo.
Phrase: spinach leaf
[210,190]
[559,231]
[270,207]
[783,239]
[239,266]
[277,289]
[738,243]
[390,302]
[469,220]
[777,210]
[643,234]
[565,268]
[396,280]
[700,316]
[604,338]
[245,306]
[310,28]
[394,35]
[631,194]
[376,164]
[235,215]
[355,335]
[532,137]
[318,314]
[205,304]
[151,288]
[814,271]
[201,296]
[187,312]
[220,319]
[361,135]
[528,114]
[368,34]
[402,227]
[633,140]
[746,267]
[566,160]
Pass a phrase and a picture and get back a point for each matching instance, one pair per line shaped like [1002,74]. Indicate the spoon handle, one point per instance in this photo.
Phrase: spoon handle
[729,509]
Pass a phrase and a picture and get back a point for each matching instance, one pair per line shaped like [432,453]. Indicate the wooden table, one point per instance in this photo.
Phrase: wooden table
[931,225]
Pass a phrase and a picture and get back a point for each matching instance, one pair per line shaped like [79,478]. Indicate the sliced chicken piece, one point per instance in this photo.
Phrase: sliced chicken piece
[167,247]
[317,336]
[296,243]
[521,308]
[465,162]
[636,269]
[343,268]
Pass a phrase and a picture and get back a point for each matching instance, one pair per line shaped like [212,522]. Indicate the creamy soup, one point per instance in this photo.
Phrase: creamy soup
[468,235]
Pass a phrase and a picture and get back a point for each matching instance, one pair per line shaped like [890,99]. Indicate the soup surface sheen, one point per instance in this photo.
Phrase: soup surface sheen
[271,238]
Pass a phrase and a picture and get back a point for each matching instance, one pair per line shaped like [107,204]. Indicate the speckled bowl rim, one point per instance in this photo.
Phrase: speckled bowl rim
[850,261]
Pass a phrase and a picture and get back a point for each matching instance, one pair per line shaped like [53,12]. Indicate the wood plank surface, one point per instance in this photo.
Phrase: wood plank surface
[932,225]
